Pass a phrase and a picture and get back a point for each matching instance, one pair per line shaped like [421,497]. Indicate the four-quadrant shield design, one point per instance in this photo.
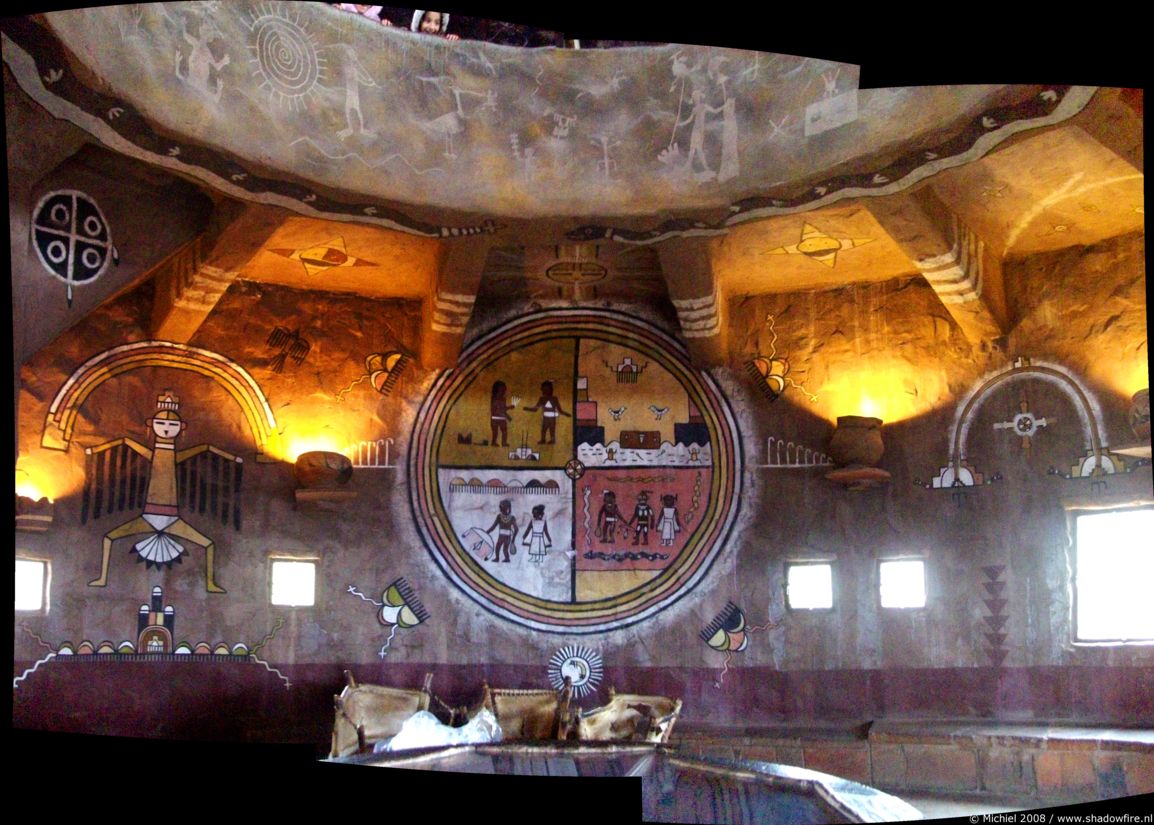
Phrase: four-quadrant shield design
[574,473]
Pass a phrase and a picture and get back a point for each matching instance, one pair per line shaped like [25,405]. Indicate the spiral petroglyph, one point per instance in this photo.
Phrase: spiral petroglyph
[285,56]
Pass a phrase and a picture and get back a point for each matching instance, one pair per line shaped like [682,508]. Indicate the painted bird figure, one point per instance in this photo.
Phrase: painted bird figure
[658,412]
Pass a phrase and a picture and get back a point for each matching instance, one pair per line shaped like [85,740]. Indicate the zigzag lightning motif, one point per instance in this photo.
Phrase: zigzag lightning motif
[384,651]
[724,669]
[42,643]
[279,624]
[288,685]
[16,682]
[363,597]
[588,536]
[341,394]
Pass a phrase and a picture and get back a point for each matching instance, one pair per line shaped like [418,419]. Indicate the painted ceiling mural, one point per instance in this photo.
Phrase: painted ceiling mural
[574,473]
[244,95]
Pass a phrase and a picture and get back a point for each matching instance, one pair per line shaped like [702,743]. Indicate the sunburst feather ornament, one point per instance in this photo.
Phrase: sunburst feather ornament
[581,664]
[727,630]
[401,607]
[382,370]
[398,607]
[729,633]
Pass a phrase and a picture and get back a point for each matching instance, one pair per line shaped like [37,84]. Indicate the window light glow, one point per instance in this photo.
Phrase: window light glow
[809,586]
[1113,571]
[294,583]
[30,580]
[902,583]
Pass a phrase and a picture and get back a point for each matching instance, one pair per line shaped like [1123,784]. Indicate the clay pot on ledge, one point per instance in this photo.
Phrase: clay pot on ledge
[856,447]
[1140,414]
[323,476]
[319,468]
[857,440]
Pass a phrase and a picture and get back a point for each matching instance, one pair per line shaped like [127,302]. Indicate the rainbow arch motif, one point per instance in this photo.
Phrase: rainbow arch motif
[61,419]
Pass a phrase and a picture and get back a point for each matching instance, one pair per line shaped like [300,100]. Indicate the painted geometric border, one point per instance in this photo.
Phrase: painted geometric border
[622,609]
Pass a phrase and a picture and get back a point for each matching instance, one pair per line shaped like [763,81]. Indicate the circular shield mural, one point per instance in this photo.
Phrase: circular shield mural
[71,237]
[574,473]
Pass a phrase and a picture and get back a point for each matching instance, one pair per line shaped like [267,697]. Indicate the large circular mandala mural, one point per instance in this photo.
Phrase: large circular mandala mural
[574,473]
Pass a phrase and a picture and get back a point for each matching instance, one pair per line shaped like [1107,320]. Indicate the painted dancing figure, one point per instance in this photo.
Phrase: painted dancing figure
[506,525]
[641,519]
[550,406]
[161,516]
[499,413]
[536,536]
[607,518]
[669,524]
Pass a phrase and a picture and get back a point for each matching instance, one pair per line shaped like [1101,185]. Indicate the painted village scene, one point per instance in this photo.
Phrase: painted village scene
[381,367]
[582,485]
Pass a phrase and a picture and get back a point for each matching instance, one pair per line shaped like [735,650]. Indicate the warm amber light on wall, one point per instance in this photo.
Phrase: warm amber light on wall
[888,388]
[45,474]
[1131,376]
[295,445]
[30,489]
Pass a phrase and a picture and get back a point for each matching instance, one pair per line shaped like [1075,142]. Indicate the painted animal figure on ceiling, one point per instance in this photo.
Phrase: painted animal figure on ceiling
[209,482]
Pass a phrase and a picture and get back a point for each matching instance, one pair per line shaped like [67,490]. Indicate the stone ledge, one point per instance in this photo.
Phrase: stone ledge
[1039,761]
[1013,734]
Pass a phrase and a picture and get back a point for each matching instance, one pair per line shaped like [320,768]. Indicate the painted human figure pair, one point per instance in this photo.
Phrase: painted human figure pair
[642,519]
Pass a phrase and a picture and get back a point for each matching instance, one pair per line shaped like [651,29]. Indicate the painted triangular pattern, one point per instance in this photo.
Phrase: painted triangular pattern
[994,571]
[997,622]
[996,639]
[994,588]
[996,605]
[997,656]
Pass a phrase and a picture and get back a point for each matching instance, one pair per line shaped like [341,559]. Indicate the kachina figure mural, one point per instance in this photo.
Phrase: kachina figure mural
[116,481]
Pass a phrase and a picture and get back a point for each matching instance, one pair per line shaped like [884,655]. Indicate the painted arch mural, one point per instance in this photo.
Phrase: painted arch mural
[574,473]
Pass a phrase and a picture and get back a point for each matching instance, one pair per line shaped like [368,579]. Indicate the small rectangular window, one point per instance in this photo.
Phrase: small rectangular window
[1113,571]
[902,583]
[293,582]
[809,586]
[31,585]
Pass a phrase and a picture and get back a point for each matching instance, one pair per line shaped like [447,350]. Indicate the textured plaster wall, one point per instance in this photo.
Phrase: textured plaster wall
[1018,524]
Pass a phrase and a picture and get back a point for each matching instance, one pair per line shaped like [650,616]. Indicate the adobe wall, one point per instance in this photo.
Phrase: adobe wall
[994,640]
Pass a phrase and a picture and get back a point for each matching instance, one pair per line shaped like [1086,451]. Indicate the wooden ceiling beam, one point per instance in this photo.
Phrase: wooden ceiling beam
[190,282]
[966,276]
[446,310]
[688,267]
